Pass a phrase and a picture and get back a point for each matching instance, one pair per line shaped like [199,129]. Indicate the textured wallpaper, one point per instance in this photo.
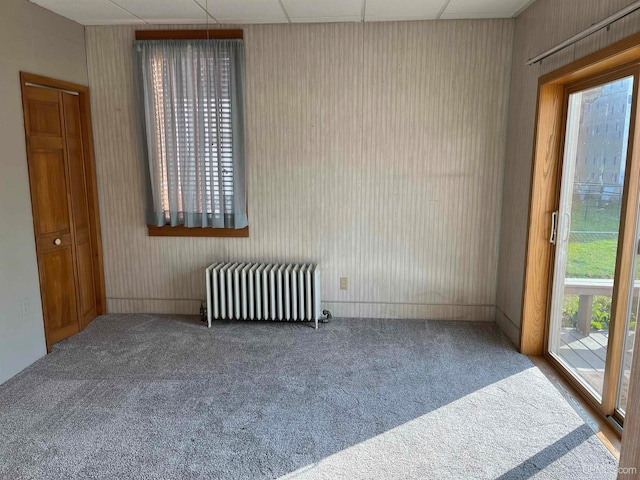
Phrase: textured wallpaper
[375,150]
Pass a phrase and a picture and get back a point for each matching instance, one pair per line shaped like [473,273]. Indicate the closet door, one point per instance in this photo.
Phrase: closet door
[64,199]
[49,177]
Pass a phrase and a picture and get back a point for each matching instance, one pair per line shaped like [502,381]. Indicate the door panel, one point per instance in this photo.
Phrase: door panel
[45,116]
[85,280]
[72,115]
[596,139]
[78,189]
[80,208]
[59,299]
[49,179]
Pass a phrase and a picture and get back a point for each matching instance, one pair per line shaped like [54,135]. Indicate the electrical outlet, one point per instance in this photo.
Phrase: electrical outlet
[26,310]
[344,283]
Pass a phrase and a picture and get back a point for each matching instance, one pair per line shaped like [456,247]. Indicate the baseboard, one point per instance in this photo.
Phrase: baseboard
[153,305]
[483,313]
[510,329]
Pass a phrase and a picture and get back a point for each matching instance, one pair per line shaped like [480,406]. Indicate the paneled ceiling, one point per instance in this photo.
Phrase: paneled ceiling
[118,12]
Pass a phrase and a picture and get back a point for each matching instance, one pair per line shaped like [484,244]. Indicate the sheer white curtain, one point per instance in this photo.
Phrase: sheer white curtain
[192,103]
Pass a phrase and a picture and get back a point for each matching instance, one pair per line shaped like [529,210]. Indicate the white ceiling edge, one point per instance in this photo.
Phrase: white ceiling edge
[297,21]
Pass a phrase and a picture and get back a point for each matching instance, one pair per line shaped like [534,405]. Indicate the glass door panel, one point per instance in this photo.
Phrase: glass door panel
[588,222]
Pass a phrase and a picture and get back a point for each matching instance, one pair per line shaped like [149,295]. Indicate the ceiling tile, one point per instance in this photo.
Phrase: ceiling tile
[324,10]
[245,11]
[154,11]
[378,10]
[484,8]
[89,12]
[113,12]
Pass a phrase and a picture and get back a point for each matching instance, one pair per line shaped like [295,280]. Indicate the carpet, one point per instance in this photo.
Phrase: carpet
[154,396]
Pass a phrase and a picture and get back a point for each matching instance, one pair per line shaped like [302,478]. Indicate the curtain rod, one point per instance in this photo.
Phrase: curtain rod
[587,31]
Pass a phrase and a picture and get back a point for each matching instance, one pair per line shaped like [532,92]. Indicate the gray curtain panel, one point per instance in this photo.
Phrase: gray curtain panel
[191,95]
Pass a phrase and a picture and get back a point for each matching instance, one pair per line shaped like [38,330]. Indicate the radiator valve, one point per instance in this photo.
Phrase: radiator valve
[327,316]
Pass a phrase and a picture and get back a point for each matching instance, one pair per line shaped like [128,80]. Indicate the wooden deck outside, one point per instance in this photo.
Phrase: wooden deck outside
[587,355]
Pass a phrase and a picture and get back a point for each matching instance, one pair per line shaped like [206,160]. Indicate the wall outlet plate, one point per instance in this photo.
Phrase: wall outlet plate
[344,283]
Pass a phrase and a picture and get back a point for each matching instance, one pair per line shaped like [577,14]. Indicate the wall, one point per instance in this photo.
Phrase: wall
[544,24]
[34,40]
[374,149]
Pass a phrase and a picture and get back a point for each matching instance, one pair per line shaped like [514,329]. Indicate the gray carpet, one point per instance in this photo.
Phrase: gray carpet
[151,396]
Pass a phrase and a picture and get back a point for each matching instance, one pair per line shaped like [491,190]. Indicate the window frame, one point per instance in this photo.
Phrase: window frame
[180,230]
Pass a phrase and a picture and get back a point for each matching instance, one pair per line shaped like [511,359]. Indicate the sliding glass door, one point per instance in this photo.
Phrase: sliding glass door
[594,297]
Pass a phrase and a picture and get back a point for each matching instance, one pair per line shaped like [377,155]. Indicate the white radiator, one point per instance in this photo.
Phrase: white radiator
[263,291]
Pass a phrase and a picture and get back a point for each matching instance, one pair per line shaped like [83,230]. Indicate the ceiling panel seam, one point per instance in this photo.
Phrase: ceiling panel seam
[284,10]
[206,11]
[442,10]
[130,13]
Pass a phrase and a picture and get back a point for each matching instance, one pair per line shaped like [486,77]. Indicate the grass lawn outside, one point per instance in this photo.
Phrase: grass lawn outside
[592,250]
[593,244]
[595,259]
[588,217]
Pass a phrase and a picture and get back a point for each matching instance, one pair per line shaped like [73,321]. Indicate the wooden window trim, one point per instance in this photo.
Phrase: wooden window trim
[182,231]
[214,34]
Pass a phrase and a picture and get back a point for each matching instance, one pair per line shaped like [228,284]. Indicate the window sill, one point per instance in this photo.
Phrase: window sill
[181,231]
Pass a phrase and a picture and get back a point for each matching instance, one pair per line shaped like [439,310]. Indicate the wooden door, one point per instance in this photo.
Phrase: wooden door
[64,214]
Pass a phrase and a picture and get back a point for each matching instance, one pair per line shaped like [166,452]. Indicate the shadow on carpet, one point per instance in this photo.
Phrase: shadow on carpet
[153,396]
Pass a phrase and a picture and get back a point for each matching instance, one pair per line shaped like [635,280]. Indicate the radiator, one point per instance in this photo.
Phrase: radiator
[263,291]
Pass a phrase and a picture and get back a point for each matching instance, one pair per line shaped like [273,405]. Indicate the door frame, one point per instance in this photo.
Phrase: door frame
[547,152]
[545,180]
[91,181]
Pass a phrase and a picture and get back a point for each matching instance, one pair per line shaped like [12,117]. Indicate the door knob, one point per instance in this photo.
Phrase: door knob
[57,241]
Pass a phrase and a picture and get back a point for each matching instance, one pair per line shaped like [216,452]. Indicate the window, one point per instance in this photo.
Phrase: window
[191,99]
